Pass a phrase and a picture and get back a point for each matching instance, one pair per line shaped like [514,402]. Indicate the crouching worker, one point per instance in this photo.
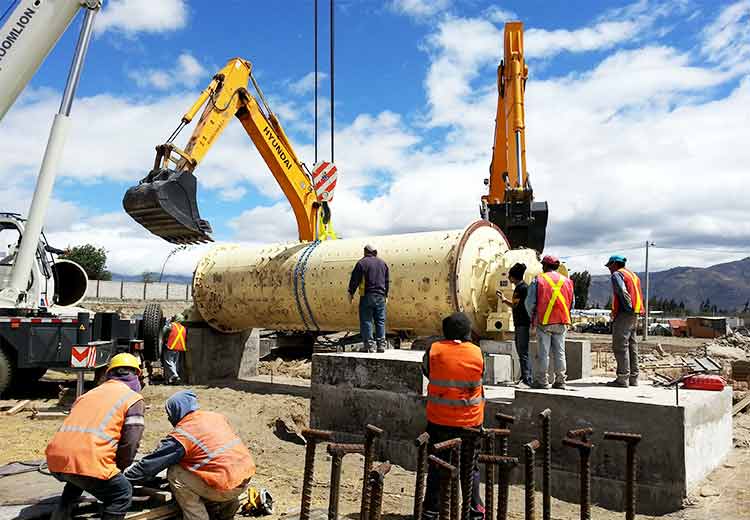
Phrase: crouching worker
[98,439]
[455,400]
[209,466]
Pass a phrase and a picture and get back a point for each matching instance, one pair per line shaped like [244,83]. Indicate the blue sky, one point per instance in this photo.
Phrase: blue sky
[636,115]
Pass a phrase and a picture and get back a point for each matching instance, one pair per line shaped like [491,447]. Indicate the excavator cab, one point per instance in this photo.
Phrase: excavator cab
[164,202]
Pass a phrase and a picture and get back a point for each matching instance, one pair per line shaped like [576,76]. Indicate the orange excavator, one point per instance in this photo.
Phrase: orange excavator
[164,202]
[510,203]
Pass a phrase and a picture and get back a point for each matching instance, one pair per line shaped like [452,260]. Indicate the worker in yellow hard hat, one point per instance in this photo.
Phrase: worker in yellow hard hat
[99,439]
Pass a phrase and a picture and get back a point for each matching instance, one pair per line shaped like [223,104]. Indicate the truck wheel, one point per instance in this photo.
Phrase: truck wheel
[7,371]
[153,319]
[32,375]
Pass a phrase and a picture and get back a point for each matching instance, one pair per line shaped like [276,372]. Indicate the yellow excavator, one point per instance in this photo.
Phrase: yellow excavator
[510,203]
[164,202]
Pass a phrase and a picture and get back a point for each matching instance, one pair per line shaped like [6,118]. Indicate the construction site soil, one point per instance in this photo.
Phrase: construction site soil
[280,462]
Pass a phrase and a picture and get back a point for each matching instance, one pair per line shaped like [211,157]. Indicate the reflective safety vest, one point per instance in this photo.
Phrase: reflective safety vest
[176,339]
[633,286]
[455,396]
[86,443]
[554,296]
[213,451]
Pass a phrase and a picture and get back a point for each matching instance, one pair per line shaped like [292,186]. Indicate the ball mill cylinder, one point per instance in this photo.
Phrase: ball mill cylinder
[304,286]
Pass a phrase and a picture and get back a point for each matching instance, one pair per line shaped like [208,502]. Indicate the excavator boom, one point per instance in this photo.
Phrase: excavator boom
[164,202]
[510,203]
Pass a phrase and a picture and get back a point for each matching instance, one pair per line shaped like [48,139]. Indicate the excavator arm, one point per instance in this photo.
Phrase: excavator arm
[165,201]
[510,201]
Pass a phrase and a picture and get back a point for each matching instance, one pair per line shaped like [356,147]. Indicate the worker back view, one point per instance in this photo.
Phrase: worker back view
[98,439]
[208,465]
[549,301]
[370,277]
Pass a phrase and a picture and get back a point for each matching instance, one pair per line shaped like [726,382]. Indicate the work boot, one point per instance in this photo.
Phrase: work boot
[559,385]
[381,345]
[633,381]
[368,347]
[620,382]
[540,386]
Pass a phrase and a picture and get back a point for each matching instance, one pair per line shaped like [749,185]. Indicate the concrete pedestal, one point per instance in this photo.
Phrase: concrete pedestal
[212,355]
[577,357]
[682,442]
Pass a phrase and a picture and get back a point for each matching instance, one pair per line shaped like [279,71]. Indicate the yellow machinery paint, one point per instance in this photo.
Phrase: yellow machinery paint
[432,275]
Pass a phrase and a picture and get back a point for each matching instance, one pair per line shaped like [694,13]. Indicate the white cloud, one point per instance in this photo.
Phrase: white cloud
[419,8]
[727,39]
[497,14]
[540,43]
[186,72]
[134,16]
[306,83]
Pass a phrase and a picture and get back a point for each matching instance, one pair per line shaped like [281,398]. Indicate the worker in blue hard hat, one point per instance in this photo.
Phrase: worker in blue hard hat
[627,305]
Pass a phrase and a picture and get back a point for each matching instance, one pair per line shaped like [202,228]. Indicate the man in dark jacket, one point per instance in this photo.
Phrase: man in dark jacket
[521,319]
[370,277]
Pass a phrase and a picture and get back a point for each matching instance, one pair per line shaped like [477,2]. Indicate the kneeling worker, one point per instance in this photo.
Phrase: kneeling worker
[98,439]
[209,466]
[455,400]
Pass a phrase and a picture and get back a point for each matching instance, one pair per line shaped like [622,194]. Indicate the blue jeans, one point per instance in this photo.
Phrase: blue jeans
[115,494]
[550,340]
[171,360]
[372,310]
[522,348]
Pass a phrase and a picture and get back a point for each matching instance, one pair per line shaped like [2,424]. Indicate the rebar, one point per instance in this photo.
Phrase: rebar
[529,450]
[419,487]
[581,433]
[376,480]
[503,486]
[448,473]
[546,416]
[631,441]
[584,451]
[489,470]
[313,437]
[454,446]
[371,435]
[505,421]
[468,461]
[337,452]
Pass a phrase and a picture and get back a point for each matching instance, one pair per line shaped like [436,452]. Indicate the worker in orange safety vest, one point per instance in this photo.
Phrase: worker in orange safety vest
[627,306]
[98,439]
[455,400]
[174,342]
[548,302]
[209,465]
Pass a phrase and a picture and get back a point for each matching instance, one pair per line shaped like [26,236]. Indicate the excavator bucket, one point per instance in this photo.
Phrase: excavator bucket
[524,223]
[165,204]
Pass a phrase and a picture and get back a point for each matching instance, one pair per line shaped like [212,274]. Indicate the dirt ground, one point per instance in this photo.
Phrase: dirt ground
[280,463]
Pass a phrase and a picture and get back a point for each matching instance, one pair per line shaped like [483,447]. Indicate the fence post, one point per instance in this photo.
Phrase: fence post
[187,292]
[167,290]
[97,289]
[122,289]
[145,284]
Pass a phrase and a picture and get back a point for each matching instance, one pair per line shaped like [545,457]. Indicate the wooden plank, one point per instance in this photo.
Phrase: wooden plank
[740,370]
[740,406]
[48,415]
[17,407]
[156,513]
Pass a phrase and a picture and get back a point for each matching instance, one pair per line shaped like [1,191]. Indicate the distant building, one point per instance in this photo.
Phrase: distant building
[707,326]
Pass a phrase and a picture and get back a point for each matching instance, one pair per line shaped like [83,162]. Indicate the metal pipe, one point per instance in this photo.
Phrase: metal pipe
[529,450]
[313,437]
[545,417]
[236,288]
[419,487]
[371,435]
[631,441]
[376,479]
[15,292]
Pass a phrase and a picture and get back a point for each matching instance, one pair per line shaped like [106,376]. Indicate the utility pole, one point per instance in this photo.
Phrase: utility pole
[645,305]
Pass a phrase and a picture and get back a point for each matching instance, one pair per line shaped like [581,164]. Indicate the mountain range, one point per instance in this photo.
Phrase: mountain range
[725,285]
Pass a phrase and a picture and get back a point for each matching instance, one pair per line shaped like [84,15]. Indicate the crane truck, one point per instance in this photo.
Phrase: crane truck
[39,328]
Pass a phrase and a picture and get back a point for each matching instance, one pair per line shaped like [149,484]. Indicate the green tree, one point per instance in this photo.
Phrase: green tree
[581,284]
[93,260]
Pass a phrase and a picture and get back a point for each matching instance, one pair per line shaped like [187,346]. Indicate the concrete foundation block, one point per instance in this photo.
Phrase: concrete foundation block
[212,355]
[392,371]
[503,347]
[498,368]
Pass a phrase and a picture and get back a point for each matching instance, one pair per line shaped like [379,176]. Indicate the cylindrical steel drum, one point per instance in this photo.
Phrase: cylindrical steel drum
[303,286]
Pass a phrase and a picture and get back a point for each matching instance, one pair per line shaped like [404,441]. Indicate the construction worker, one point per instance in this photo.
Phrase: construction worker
[455,400]
[174,336]
[370,277]
[99,439]
[209,465]
[627,305]
[549,302]
[521,319]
